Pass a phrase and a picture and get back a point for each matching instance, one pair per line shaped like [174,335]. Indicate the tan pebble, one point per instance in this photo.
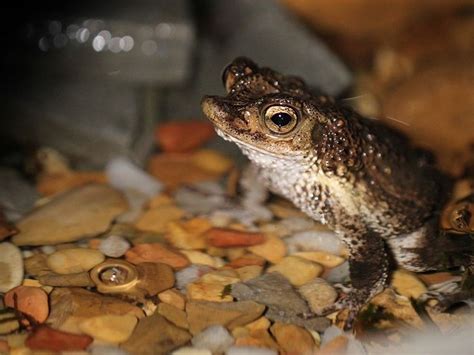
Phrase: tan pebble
[297,270]
[337,345]
[11,266]
[109,328]
[81,279]
[188,350]
[407,284]
[293,339]
[72,261]
[16,340]
[222,277]
[36,265]
[157,219]
[55,183]
[156,252]
[319,294]
[212,161]
[325,259]
[155,277]
[208,292]
[29,300]
[197,257]
[259,324]
[188,234]
[8,322]
[259,339]
[234,253]
[273,250]
[160,200]
[173,297]
[249,272]
[247,260]
[174,315]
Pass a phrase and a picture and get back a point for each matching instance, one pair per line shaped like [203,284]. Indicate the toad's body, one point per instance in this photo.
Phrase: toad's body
[362,179]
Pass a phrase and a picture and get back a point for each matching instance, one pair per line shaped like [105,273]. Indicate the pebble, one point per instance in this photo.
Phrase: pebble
[208,292]
[155,277]
[339,274]
[321,257]
[155,252]
[297,270]
[36,265]
[155,334]
[202,314]
[55,184]
[215,338]
[8,323]
[73,261]
[211,160]
[109,328]
[32,301]
[196,199]
[46,338]
[319,294]
[250,350]
[293,339]
[157,219]
[99,349]
[249,272]
[174,315]
[183,136]
[297,223]
[247,260]
[313,240]
[81,279]
[190,274]
[173,297]
[231,238]
[114,246]
[198,257]
[272,250]
[407,284]
[188,350]
[337,345]
[188,234]
[11,266]
[60,220]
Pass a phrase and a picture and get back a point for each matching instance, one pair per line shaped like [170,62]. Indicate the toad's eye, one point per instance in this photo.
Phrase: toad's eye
[280,119]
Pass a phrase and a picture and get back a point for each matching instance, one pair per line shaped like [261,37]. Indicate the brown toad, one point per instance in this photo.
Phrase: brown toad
[361,178]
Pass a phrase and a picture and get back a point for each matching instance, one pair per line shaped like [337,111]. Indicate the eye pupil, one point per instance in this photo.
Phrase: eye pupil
[281,119]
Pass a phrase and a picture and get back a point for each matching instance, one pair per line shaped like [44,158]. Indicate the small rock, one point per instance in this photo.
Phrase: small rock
[81,279]
[249,272]
[155,252]
[189,234]
[155,334]
[283,302]
[109,328]
[312,240]
[60,220]
[106,350]
[202,314]
[11,266]
[337,345]
[114,246]
[221,277]
[155,277]
[173,297]
[208,292]
[188,350]
[321,257]
[297,223]
[297,270]
[36,265]
[157,219]
[339,274]
[5,348]
[250,350]
[51,184]
[8,323]
[32,301]
[215,338]
[229,238]
[196,200]
[407,284]
[197,257]
[212,161]
[319,294]
[246,260]
[293,339]
[6,229]
[45,338]
[273,249]
[190,274]
[174,315]
[73,261]
[183,136]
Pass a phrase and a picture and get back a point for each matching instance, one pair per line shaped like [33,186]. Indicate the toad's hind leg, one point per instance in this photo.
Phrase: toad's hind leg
[369,268]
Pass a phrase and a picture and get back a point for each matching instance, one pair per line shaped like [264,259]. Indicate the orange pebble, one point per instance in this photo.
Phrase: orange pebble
[231,238]
[184,136]
[32,301]
[156,252]
[45,338]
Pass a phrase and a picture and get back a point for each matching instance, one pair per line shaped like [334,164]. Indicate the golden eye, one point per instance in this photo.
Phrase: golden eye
[280,119]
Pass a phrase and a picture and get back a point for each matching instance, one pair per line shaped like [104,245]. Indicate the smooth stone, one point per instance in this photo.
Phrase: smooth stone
[215,338]
[46,338]
[314,240]
[183,136]
[73,261]
[319,294]
[250,350]
[11,266]
[321,257]
[208,292]
[157,253]
[156,220]
[249,272]
[190,274]
[202,314]
[293,339]
[109,328]
[337,345]
[188,350]
[81,279]
[155,277]
[155,335]
[32,301]
[173,297]
[212,161]
[297,270]
[174,315]
[8,323]
[231,238]
[60,220]
[339,274]
[100,349]
[188,235]
[283,302]
[198,257]
[272,250]
[407,284]
[114,246]
[78,304]
[36,265]
[247,260]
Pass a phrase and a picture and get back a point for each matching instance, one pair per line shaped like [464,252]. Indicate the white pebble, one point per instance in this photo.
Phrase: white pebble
[190,274]
[339,274]
[11,266]
[297,224]
[48,249]
[107,350]
[123,174]
[315,240]
[250,350]
[215,338]
[188,350]
[136,200]
[114,246]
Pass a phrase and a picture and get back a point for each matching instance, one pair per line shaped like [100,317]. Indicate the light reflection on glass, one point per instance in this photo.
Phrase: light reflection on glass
[149,47]
[71,31]
[126,43]
[114,45]
[82,35]
[98,43]
[43,44]
[106,35]
[54,27]
[163,30]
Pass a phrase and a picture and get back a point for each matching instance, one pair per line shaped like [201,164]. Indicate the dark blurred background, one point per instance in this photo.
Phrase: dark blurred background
[92,79]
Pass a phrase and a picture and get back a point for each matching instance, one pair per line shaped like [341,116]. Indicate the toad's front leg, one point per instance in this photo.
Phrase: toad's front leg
[369,268]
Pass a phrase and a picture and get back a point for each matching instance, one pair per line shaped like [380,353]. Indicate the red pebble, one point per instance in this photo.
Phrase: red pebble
[183,136]
[46,338]
[231,238]
[32,301]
